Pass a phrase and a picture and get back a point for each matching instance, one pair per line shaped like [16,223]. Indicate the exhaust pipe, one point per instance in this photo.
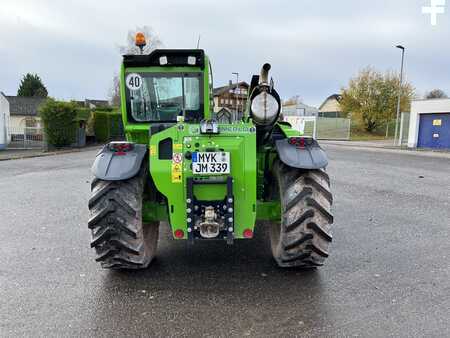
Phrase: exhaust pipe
[264,104]
[264,77]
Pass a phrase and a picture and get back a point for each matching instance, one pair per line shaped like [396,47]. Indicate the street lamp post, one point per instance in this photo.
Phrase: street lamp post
[399,97]
[237,94]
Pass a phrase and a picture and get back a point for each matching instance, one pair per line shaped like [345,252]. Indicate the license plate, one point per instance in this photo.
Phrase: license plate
[211,163]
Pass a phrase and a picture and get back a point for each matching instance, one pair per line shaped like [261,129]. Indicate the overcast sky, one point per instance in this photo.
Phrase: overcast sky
[314,46]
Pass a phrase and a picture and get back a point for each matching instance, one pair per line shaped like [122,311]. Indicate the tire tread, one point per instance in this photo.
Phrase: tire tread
[304,240]
[119,238]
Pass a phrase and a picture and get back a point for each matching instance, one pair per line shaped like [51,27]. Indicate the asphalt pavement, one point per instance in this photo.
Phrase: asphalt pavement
[388,273]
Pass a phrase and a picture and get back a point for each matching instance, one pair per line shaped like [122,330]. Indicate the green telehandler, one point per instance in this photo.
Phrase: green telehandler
[207,179]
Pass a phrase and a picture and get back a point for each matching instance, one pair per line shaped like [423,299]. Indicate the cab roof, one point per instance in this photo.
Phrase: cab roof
[175,58]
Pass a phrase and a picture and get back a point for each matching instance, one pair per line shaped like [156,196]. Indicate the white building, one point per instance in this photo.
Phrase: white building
[299,109]
[24,112]
[331,107]
[5,136]
[429,124]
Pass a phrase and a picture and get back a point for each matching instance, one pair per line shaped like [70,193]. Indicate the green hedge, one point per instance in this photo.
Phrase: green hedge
[59,118]
[83,114]
[107,125]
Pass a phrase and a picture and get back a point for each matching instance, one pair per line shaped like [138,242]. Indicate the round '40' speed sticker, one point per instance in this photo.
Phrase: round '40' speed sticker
[133,81]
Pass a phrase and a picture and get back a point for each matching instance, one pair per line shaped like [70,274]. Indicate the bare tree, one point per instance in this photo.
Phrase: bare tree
[114,92]
[296,99]
[151,38]
[436,94]
[152,42]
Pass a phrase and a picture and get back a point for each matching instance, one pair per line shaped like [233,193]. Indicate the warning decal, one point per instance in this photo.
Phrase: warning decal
[177,172]
[177,157]
[152,150]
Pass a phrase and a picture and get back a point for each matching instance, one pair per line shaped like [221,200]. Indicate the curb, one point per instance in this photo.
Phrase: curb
[51,153]
[392,150]
[369,144]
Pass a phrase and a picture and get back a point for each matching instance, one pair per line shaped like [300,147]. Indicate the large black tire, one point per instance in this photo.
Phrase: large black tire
[120,239]
[303,236]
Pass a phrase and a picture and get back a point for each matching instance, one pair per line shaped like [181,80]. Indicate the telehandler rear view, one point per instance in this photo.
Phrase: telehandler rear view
[208,180]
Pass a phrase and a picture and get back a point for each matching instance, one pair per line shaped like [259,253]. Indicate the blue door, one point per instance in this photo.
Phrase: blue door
[434,131]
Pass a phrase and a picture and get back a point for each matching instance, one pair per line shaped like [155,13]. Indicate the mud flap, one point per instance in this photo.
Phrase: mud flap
[116,166]
[309,156]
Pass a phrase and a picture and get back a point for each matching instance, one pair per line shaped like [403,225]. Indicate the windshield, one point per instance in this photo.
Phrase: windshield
[163,97]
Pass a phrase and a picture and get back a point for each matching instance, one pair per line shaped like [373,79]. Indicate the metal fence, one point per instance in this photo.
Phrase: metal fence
[322,128]
[318,127]
[26,137]
[34,137]
[333,128]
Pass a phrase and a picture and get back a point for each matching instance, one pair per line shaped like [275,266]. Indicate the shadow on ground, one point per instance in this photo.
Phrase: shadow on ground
[213,285]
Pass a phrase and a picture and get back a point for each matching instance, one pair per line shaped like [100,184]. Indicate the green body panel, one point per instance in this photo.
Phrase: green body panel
[241,145]
[288,131]
[153,211]
[249,164]
[268,211]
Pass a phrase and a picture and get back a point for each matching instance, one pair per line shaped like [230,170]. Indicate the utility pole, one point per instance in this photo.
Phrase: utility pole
[237,93]
[399,97]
